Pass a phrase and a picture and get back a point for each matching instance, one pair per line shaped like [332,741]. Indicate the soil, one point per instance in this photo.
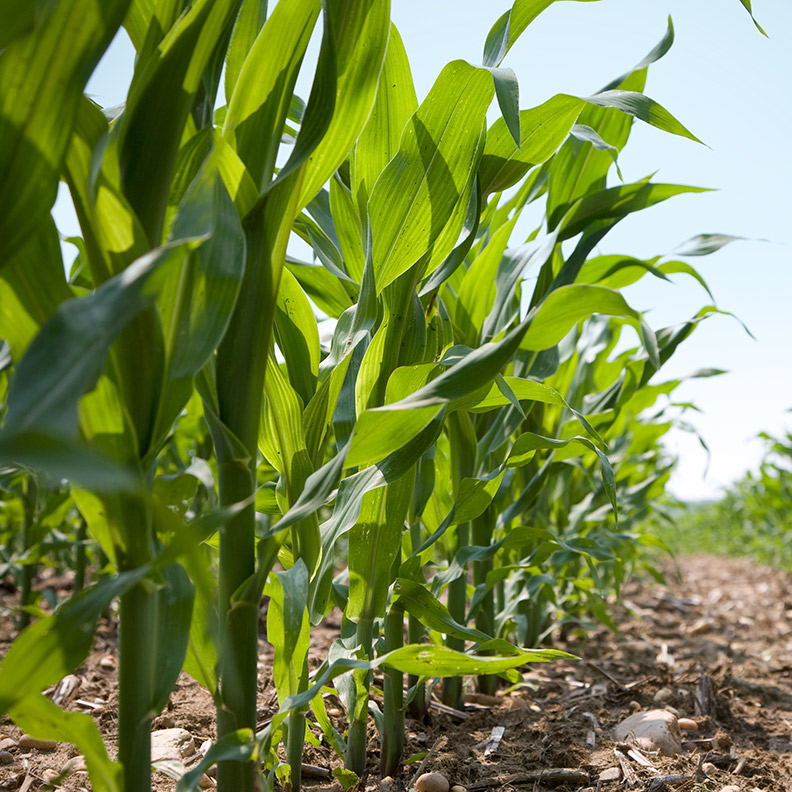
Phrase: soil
[713,646]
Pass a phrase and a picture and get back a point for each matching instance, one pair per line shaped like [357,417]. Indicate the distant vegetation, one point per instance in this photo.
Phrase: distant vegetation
[753,519]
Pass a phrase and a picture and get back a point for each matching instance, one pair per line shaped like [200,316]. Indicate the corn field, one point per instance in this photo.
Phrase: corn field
[461,468]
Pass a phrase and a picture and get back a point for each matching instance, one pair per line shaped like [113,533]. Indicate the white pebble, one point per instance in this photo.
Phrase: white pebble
[432,782]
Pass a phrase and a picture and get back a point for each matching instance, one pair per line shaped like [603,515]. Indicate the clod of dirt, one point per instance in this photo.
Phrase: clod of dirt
[171,744]
[432,782]
[6,758]
[655,730]
[26,741]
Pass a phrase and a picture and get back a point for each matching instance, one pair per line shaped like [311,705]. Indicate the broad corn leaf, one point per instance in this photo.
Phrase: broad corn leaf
[262,93]
[42,77]
[417,192]
[510,26]
[393,107]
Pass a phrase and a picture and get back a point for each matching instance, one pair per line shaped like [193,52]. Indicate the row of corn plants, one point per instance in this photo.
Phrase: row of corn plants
[450,468]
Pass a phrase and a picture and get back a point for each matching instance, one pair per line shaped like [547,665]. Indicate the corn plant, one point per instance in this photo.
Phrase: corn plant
[153,370]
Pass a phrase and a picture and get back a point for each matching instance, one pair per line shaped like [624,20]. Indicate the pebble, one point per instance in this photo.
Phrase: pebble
[75,765]
[730,788]
[48,774]
[107,662]
[709,768]
[610,774]
[432,782]
[175,744]
[28,742]
[664,694]
[205,782]
[6,743]
[688,724]
[654,730]
[6,758]
[389,782]
[458,788]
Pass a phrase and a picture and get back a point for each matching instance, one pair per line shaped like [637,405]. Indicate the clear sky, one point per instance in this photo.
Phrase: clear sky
[732,88]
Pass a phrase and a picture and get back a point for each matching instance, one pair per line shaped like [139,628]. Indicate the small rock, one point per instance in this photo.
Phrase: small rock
[458,788]
[205,782]
[6,758]
[709,768]
[107,662]
[610,774]
[75,765]
[164,722]
[730,788]
[655,730]
[432,782]
[664,694]
[388,783]
[687,724]
[28,742]
[673,710]
[48,775]
[334,712]
[7,743]
[175,744]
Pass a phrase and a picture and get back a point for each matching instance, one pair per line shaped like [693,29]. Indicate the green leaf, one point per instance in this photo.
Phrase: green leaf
[416,194]
[37,716]
[704,244]
[55,645]
[617,202]
[394,105]
[42,77]
[510,26]
[644,108]
[197,300]
[419,602]
[249,22]
[374,545]
[68,355]
[360,30]
[160,98]
[174,608]
[298,336]
[238,746]
[747,6]
[258,106]
[440,661]
[287,629]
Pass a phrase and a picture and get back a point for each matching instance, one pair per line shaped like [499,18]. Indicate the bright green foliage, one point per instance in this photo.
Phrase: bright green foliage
[483,407]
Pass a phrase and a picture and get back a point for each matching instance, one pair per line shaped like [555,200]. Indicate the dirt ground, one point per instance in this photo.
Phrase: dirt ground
[714,647]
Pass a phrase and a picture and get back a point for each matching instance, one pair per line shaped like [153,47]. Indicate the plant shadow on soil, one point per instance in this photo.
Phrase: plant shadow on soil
[715,645]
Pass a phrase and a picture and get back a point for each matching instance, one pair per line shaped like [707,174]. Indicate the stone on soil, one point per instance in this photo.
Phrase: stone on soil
[610,774]
[654,730]
[175,744]
[28,742]
[432,782]
[6,758]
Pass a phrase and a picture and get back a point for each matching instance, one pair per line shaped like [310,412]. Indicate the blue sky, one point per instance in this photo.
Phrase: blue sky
[733,89]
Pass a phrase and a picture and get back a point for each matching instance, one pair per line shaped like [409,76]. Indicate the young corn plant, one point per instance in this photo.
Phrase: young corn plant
[184,285]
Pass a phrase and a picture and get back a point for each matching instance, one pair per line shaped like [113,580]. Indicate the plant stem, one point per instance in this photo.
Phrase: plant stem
[80,556]
[135,685]
[485,615]
[393,704]
[358,725]
[239,622]
[457,605]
